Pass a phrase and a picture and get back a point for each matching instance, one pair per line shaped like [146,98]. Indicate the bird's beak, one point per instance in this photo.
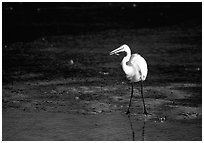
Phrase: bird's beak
[116,51]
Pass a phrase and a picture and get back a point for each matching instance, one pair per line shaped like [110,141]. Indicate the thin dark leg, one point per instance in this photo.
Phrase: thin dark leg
[145,111]
[128,111]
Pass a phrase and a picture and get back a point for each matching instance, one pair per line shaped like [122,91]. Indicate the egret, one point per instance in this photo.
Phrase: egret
[135,68]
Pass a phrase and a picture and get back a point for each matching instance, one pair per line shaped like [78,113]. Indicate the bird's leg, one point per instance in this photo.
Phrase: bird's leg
[145,111]
[128,111]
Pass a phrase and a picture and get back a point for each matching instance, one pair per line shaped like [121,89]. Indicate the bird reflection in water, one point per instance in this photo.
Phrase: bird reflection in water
[132,129]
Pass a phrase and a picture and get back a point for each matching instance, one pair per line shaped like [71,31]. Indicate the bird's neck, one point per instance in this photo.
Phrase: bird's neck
[126,58]
[126,68]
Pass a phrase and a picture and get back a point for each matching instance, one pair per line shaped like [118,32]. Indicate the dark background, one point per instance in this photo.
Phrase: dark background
[26,21]
[42,39]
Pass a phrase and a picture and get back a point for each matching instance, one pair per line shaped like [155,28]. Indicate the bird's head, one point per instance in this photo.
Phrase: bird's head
[123,48]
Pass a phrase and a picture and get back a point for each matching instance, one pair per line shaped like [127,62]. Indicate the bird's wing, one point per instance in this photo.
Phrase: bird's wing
[133,59]
[134,62]
[139,64]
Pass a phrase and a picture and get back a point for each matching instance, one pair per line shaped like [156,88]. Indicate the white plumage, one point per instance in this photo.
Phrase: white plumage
[139,68]
[135,68]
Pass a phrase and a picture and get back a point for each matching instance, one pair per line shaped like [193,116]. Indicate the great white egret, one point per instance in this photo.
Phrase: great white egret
[135,68]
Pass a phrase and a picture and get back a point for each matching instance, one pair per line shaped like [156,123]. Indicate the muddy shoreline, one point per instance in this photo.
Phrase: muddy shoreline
[55,110]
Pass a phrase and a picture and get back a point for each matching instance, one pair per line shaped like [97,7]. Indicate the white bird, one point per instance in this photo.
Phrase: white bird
[135,68]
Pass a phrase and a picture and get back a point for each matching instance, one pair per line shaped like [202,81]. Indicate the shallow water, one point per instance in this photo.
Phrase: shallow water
[103,127]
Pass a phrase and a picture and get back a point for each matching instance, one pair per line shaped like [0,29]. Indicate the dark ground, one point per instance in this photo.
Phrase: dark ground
[59,82]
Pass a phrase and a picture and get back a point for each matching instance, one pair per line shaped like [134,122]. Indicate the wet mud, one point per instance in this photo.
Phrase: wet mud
[58,111]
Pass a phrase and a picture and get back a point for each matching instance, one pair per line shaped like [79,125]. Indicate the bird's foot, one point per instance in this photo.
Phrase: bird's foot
[146,113]
[128,112]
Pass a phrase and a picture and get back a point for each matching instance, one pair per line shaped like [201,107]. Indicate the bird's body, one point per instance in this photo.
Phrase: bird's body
[135,68]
